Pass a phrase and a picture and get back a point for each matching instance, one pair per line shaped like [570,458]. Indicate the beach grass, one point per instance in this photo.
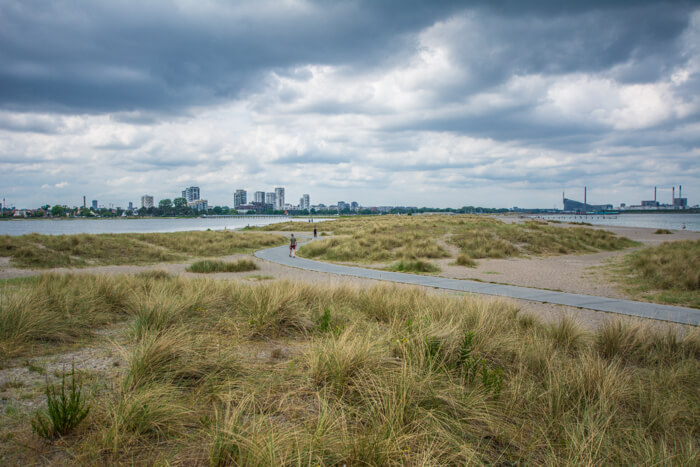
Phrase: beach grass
[668,273]
[83,250]
[211,266]
[387,239]
[280,373]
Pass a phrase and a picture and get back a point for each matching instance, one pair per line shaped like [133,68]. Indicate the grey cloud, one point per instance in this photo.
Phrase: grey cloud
[105,56]
[312,157]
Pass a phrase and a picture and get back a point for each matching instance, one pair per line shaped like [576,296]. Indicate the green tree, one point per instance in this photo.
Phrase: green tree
[165,203]
[57,211]
[179,202]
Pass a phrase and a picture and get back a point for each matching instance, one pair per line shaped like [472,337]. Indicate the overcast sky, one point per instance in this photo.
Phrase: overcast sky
[433,103]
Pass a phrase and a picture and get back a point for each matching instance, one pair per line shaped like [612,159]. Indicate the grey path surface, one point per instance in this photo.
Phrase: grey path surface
[674,314]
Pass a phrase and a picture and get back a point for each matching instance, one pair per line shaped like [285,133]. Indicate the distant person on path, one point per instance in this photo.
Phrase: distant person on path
[292,247]
[315,232]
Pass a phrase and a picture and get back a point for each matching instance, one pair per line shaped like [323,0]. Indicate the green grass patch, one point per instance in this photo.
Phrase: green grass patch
[210,266]
[662,232]
[415,265]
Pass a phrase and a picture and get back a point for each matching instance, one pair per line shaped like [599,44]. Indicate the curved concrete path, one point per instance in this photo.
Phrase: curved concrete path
[674,314]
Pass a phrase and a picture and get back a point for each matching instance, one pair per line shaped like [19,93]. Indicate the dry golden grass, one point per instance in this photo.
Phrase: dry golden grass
[81,250]
[410,238]
[280,373]
[668,273]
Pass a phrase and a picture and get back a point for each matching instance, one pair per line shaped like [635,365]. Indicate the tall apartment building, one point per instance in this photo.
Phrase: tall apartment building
[240,197]
[191,193]
[304,202]
[147,201]
[279,198]
[271,198]
[259,197]
[94,204]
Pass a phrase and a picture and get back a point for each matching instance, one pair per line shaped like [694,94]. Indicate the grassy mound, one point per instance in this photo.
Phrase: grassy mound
[668,273]
[279,373]
[394,238]
[210,266]
[51,251]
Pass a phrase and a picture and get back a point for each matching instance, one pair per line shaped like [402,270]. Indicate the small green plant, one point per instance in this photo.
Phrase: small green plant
[66,408]
[473,366]
[325,323]
[31,366]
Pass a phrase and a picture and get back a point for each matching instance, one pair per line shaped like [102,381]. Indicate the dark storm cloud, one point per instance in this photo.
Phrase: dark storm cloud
[110,56]
[99,56]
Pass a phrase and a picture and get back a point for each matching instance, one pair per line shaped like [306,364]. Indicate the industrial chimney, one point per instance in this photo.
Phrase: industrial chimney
[680,188]
[673,195]
[585,202]
[654,194]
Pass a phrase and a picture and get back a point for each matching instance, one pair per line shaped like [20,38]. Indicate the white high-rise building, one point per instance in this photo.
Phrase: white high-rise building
[240,197]
[279,198]
[191,193]
[147,201]
[270,198]
[305,202]
[259,197]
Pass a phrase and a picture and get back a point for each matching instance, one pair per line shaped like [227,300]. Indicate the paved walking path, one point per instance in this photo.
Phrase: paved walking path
[675,314]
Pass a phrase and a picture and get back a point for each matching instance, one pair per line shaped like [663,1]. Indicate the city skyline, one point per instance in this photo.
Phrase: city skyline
[416,103]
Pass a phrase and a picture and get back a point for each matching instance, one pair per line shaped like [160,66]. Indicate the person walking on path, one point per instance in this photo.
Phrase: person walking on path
[292,247]
[315,232]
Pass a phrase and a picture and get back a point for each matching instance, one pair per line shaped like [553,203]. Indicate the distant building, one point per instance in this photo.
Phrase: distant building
[94,204]
[199,204]
[343,205]
[259,197]
[240,197]
[146,201]
[354,206]
[131,206]
[279,198]
[305,202]
[577,206]
[271,198]
[191,193]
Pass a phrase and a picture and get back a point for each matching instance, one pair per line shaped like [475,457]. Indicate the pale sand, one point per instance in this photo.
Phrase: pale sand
[568,273]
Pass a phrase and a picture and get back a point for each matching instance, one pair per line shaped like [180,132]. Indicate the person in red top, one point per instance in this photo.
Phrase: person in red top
[292,247]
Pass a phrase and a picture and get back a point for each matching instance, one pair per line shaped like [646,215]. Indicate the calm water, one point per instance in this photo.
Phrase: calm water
[652,221]
[98,226]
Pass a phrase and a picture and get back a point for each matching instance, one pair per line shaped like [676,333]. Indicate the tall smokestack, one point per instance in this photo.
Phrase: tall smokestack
[585,202]
[84,205]
[673,195]
[654,194]
[680,193]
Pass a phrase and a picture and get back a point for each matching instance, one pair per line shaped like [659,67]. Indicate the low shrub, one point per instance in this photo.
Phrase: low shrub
[210,266]
[663,232]
[416,265]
